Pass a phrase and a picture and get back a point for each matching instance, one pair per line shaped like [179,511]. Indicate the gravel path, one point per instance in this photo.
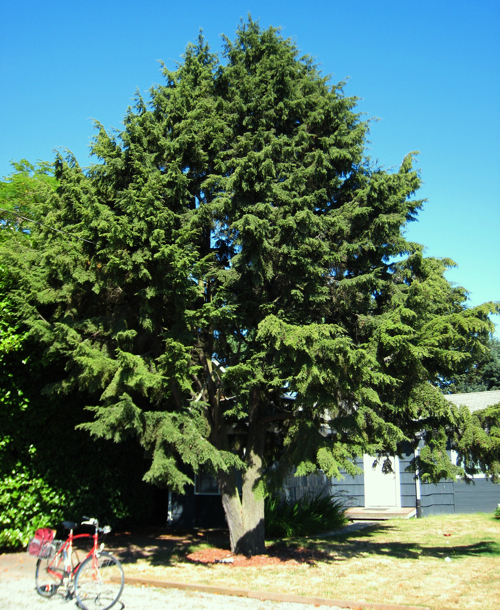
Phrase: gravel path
[20,594]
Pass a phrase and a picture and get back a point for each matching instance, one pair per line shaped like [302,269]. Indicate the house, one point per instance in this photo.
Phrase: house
[370,495]
[375,491]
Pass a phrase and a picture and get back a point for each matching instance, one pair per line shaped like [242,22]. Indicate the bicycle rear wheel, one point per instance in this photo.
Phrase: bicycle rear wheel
[49,574]
[99,582]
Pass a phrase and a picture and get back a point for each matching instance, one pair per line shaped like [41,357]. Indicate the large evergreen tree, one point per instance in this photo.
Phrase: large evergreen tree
[248,300]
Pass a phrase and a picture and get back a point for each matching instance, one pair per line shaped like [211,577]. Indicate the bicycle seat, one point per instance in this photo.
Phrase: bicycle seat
[69,525]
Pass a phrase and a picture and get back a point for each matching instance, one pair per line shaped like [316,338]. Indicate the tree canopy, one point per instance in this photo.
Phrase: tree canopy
[481,376]
[234,287]
[43,478]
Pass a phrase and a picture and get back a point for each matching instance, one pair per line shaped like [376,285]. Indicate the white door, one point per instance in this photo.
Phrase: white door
[381,490]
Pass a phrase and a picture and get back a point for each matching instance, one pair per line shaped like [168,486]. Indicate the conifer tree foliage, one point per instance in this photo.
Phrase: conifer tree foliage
[481,376]
[249,301]
[43,478]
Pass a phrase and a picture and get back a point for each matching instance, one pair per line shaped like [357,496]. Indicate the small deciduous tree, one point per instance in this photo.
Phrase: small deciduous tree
[26,185]
[249,300]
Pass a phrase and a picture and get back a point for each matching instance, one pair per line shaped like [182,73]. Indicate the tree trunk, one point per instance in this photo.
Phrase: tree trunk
[245,517]
[232,507]
[253,540]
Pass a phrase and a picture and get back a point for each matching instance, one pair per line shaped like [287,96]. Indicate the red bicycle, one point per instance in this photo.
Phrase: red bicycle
[97,581]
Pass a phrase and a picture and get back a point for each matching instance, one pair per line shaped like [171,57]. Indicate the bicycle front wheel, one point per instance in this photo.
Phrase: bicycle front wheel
[49,575]
[99,582]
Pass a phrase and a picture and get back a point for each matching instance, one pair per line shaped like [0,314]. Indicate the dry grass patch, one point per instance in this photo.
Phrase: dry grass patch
[401,561]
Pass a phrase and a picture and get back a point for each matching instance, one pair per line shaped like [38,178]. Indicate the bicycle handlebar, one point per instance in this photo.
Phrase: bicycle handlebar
[91,521]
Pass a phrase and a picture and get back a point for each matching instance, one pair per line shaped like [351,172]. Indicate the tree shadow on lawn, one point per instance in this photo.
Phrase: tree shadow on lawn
[362,543]
[162,547]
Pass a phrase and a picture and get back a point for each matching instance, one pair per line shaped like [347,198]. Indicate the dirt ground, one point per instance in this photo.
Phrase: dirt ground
[161,546]
[130,547]
[17,565]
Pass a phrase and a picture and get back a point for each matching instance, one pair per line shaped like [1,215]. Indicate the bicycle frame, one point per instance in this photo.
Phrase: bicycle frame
[97,580]
[66,551]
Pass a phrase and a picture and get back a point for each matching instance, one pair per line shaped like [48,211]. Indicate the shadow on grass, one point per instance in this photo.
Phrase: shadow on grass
[367,542]
[169,547]
[166,546]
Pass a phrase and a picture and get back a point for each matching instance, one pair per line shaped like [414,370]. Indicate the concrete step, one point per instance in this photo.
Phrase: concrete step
[359,513]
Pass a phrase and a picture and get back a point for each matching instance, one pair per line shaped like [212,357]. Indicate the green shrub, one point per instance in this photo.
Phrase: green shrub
[308,515]
[497,512]
[49,471]
[26,504]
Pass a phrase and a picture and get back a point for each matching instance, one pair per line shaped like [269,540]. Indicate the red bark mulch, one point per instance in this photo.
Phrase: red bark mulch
[276,555]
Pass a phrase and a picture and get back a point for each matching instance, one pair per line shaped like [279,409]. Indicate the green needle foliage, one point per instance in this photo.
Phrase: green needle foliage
[48,470]
[481,376]
[248,299]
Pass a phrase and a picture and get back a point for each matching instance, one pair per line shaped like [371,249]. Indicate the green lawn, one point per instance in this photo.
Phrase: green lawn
[400,561]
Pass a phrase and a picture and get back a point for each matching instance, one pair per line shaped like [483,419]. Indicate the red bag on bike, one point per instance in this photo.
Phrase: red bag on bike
[42,537]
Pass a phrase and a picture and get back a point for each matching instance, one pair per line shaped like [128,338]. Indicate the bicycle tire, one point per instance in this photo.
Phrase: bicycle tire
[99,586]
[47,582]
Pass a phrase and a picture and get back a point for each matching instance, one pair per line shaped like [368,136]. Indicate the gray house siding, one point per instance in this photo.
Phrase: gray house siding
[437,499]
[407,479]
[295,488]
[481,496]
[351,490]
[445,497]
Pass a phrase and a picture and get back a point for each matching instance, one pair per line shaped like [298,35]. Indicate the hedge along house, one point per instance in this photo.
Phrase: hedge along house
[369,495]
[373,493]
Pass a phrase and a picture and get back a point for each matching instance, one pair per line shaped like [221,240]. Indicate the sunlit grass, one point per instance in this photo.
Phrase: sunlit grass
[400,561]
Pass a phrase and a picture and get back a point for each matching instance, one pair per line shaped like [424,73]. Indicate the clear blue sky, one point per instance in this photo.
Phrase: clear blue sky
[429,70]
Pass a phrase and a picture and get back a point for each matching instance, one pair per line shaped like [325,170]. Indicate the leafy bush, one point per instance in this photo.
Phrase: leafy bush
[26,504]
[497,512]
[286,518]
[48,470]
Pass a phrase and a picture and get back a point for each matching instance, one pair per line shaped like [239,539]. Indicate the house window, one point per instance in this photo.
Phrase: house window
[205,484]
